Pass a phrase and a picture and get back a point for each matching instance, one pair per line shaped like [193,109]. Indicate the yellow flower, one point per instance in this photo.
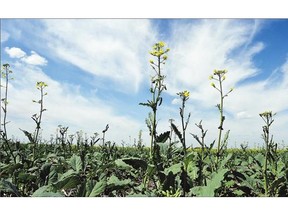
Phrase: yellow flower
[211,77]
[266,114]
[41,84]
[220,72]
[165,57]
[161,44]
[151,61]
[186,93]
[213,85]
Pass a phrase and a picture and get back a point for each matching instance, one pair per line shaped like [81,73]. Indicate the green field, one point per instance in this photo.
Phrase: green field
[109,170]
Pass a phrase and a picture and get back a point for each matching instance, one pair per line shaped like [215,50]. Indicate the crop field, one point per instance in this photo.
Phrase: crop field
[76,166]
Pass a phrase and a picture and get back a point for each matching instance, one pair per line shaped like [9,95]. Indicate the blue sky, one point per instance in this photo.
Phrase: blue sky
[98,72]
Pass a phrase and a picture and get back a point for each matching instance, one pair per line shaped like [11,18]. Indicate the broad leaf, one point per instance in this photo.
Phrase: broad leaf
[98,188]
[212,185]
[8,187]
[46,191]
[114,183]
[68,180]
[76,163]
[132,162]
[175,168]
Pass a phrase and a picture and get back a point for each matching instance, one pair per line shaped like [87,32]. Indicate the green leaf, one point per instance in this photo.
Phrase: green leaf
[229,183]
[68,180]
[14,167]
[260,159]
[151,168]
[46,191]
[26,178]
[225,160]
[192,170]
[28,135]
[76,163]
[163,137]
[251,182]
[53,176]
[145,104]
[8,187]
[276,184]
[238,192]
[98,188]
[114,183]
[114,180]
[45,170]
[175,168]
[177,131]
[212,185]
[121,164]
[132,162]
[190,157]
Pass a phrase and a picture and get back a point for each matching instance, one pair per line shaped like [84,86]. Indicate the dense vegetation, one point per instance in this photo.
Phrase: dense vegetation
[74,165]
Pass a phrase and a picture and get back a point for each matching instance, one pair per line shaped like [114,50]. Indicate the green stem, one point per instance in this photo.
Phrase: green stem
[38,126]
[5,137]
[158,85]
[221,120]
[266,181]
[183,127]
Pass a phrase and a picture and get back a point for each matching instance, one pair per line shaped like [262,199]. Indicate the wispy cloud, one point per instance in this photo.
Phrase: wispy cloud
[65,106]
[113,49]
[4,36]
[199,48]
[116,51]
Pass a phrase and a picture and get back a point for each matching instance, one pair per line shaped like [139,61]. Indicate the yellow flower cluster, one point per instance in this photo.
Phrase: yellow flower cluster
[41,85]
[220,72]
[266,114]
[184,95]
[158,50]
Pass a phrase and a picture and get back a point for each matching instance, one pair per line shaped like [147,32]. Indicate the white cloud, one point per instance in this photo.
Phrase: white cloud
[65,106]
[243,115]
[200,47]
[176,101]
[34,59]
[284,70]
[118,50]
[113,49]
[4,36]
[15,52]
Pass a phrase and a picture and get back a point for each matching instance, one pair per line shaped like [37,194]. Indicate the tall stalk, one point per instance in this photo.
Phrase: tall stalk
[157,87]
[4,135]
[184,97]
[268,119]
[219,76]
[38,118]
